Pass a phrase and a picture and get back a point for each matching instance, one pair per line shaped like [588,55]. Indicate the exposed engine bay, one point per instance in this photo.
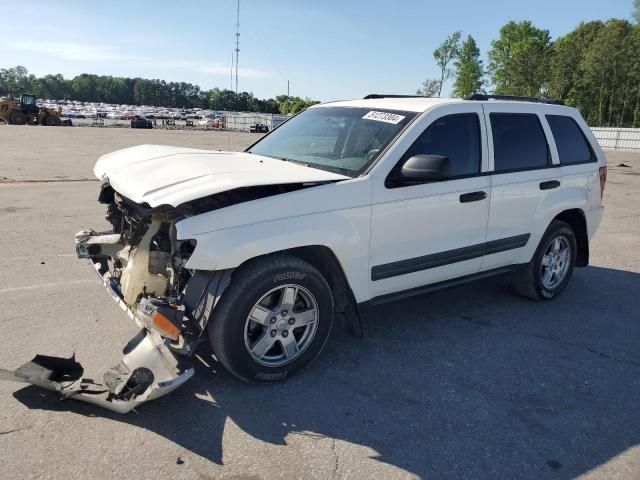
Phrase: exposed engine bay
[143,266]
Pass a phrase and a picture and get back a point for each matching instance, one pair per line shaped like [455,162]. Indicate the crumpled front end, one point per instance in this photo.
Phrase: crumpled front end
[142,265]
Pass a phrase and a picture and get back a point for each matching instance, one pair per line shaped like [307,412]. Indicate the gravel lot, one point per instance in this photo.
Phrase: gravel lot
[469,382]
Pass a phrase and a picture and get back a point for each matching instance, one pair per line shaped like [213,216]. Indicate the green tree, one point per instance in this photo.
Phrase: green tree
[142,91]
[16,80]
[609,80]
[518,60]
[634,73]
[444,54]
[469,70]
[636,11]
[298,106]
[566,58]
[291,105]
[430,88]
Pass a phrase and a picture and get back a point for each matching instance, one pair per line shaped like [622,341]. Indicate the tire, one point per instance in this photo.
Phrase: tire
[52,121]
[538,281]
[234,333]
[18,118]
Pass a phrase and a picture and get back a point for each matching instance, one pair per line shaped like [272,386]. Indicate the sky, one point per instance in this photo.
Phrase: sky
[328,49]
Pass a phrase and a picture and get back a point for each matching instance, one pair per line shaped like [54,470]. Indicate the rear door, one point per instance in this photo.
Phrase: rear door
[524,172]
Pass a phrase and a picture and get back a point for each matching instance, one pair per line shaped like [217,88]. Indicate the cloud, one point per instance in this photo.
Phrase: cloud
[79,52]
[244,72]
[208,68]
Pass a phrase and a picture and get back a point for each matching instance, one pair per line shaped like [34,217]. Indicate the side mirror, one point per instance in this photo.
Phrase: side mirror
[421,169]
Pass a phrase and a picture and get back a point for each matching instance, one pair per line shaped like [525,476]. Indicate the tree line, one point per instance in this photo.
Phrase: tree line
[139,91]
[595,67]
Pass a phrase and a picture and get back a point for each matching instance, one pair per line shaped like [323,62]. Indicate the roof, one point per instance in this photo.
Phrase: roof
[408,104]
[421,104]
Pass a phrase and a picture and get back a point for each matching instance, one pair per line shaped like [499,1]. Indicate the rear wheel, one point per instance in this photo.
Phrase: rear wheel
[552,265]
[18,118]
[272,320]
[52,121]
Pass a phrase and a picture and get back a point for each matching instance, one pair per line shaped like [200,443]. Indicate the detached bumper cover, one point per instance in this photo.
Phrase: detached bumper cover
[148,370]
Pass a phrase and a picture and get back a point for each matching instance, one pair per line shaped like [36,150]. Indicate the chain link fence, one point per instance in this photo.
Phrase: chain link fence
[231,121]
[245,121]
[618,138]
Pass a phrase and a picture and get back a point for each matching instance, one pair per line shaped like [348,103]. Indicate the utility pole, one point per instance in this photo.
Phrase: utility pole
[287,88]
[237,43]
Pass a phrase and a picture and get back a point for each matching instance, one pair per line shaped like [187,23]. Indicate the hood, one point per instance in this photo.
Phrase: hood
[161,175]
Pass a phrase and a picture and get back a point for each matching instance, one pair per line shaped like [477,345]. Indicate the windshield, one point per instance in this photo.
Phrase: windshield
[341,139]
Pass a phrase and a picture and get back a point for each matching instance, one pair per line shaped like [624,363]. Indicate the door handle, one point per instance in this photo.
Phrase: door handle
[549,185]
[472,197]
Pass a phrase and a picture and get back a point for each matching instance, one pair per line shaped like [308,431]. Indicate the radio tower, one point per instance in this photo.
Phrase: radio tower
[237,43]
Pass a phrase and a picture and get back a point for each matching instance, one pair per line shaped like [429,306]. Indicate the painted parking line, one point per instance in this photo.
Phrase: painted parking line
[46,285]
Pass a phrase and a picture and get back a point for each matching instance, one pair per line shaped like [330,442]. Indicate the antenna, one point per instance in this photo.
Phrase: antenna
[231,88]
[237,43]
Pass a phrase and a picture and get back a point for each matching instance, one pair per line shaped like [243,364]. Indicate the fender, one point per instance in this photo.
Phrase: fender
[228,237]
[567,198]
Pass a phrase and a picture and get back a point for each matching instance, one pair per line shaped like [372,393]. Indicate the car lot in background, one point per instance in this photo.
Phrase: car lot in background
[466,382]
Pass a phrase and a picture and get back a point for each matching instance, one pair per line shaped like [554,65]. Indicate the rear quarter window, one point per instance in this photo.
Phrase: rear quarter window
[570,141]
[519,142]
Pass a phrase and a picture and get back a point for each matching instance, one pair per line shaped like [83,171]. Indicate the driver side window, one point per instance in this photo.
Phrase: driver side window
[456,137]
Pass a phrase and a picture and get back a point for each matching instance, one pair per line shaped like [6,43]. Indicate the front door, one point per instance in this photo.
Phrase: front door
[427,233]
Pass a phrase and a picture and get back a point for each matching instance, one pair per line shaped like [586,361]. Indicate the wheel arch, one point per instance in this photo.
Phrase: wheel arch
[575,217]
[327,263]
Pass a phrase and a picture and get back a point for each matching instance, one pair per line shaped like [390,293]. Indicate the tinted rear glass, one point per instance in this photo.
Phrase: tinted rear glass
[572,146]
[518,142]
[454,136]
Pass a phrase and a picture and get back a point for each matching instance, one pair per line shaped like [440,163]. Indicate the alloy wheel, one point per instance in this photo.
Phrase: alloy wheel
[281,325]
[555,262]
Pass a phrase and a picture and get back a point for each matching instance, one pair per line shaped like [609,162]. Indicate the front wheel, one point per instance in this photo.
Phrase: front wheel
[18,118]
[552,265]
[272,320]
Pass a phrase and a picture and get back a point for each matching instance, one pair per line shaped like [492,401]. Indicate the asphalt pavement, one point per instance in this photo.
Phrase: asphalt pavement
[471,382]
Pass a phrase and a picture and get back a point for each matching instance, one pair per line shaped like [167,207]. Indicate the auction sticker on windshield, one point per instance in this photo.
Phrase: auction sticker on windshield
[384,117]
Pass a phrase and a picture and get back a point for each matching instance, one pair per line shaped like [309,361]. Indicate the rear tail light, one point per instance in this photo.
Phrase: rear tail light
[603,180]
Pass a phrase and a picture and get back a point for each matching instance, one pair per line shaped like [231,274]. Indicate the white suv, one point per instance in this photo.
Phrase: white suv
[346,205]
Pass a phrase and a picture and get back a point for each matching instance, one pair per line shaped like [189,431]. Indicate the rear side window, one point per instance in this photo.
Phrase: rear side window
[453,136]
[519,142]
[572,146]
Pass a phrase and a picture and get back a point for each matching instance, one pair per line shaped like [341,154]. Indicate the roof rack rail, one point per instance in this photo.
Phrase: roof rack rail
[382,95]
[515,98]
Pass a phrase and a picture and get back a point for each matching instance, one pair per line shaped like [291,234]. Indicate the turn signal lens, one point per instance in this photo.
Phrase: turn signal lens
[603,180]
[165,326]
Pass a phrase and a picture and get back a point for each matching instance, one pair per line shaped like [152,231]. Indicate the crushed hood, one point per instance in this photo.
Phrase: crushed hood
[161,175]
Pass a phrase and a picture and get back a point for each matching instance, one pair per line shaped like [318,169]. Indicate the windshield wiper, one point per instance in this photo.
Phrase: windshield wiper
[317,166]
[329,155]
[299,162]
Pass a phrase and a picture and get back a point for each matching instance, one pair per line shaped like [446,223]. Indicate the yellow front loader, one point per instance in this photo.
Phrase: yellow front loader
[25,110]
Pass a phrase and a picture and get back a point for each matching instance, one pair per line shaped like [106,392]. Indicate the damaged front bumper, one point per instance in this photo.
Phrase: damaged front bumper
[152,364]
[148,370]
